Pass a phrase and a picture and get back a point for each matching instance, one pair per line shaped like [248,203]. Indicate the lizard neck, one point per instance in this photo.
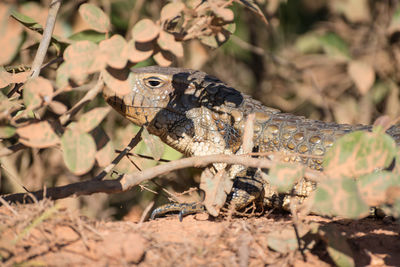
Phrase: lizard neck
[198,131]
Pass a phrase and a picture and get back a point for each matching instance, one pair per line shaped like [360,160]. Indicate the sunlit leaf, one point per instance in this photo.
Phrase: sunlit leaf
[92,118]
[120,82]
[163,58]
[57,107]
[167,42]
[39,135]
[36,91]
[11,35]
[145,31]
[171,10]
[137,52]
[112,48]
[95,17]
[359,153]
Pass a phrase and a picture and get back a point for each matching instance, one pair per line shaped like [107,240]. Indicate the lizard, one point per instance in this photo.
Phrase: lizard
[198,114]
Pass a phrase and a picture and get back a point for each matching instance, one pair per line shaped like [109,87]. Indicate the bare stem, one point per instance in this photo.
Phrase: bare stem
[44,43]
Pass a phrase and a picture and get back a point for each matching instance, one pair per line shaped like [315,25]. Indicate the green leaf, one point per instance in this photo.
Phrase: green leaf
[79,150]
[92,119]
[339,197]
[88,35]
[373,186]
[216,188]
[7,131]
[359,153]
[337,246]
[25,20]
[334,46]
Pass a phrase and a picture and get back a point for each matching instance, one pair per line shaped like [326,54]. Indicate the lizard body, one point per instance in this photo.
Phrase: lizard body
[197,114]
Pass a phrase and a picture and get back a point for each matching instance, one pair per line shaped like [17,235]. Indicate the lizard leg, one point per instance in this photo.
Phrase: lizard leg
[183,209]
[248,188]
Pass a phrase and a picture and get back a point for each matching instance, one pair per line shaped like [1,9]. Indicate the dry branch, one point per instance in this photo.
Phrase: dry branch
[128,181]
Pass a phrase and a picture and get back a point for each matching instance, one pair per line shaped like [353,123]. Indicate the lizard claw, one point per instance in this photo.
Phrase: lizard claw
[183,209]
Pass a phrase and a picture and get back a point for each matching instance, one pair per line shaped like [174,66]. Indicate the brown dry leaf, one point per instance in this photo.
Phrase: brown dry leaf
[163,58]
[137,52]
[225,13]
[95,17]
[11,35]
[171,10]
[7,78]
[384,121]
[118,81]
[362,74]
[216,188]
[112,49]
[145,31]
[167,42]
[250,4]
[39,135]
[354,10]
[36,91]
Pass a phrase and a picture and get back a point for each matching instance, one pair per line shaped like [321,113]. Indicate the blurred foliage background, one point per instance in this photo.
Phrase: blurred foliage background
[332,60]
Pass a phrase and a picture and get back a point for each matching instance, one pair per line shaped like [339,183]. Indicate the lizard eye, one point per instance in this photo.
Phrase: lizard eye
[153,82]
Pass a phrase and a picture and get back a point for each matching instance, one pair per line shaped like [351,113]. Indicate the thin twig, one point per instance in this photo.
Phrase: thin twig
[135,140]
[47,32]
[87,98]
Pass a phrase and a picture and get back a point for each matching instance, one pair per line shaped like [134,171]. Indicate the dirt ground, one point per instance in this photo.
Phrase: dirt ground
[44,234]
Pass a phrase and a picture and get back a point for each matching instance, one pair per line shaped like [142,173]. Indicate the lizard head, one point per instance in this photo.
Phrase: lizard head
[149,92]
[175,90]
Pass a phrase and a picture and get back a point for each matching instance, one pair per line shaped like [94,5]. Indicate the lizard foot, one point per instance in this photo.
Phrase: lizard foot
[183,209]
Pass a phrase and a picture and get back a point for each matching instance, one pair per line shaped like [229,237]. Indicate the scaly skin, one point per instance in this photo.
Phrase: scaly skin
[197,114]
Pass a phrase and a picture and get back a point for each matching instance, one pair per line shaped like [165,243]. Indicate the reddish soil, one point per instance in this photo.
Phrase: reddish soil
[42,234]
